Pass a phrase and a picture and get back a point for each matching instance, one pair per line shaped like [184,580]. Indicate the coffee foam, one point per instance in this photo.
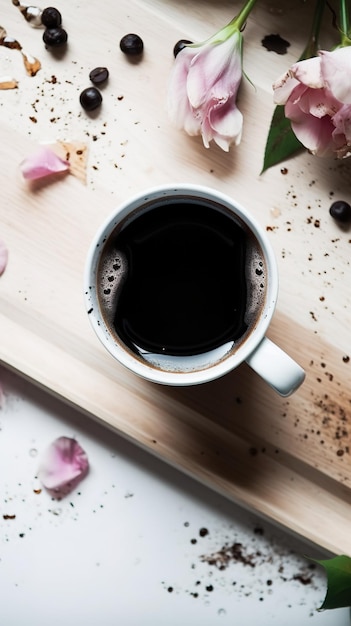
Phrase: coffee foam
[113,271]
[256,277]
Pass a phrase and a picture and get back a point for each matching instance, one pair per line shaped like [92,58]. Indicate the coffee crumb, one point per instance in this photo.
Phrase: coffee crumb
[228,554]
[304,579]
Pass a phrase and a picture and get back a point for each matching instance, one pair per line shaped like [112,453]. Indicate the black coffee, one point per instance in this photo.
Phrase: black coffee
[175,280]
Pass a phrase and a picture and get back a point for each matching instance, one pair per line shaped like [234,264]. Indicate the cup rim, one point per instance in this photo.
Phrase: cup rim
[122,354]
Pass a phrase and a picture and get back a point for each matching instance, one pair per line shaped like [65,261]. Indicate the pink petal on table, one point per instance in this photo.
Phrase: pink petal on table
[4,255]
[63,466]
[2,397]
[42,163]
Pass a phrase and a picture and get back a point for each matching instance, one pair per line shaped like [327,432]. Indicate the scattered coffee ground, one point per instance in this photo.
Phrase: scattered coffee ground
[229,554]
[216,570]
[303,578]
[275,43]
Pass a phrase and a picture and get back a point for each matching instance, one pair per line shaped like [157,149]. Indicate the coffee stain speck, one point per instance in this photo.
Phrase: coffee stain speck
[275,43]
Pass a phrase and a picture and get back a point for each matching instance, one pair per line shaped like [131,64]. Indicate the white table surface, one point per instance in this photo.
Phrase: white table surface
[125,546]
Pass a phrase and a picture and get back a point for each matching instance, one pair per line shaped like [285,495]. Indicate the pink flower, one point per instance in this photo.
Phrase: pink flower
[3,256]
[2,397]
[63,465]
[316,93]
[203,89]
[42,163]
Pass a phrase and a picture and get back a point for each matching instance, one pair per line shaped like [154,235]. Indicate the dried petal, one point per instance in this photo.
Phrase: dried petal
[7,82]
[63,466]
[42,163]
[32,64]
[4,255]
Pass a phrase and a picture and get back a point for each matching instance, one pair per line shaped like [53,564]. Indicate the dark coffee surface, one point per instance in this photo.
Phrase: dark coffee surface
[185,292]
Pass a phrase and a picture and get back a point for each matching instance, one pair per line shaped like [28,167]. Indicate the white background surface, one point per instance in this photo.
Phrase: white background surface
[125,546]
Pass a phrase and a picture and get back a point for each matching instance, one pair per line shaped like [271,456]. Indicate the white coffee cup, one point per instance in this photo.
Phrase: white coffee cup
[278,369]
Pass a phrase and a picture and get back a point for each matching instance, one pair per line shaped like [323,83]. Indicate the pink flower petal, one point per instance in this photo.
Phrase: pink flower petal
[283,87]
[42,163]
[2,397]
[316,93]
[315,134]
[308,72]
[215,71]
[203,87]
[179,107]
[223,122]
[4,255]
[335,67]
[63,466]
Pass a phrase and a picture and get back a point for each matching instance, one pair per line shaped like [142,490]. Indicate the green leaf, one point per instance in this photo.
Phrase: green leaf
[281,141]
[339,582]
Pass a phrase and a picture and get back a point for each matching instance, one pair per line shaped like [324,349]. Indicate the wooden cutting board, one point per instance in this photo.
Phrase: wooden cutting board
[288,459]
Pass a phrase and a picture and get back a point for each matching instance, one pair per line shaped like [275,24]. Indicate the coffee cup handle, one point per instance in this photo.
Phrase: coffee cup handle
[276,367]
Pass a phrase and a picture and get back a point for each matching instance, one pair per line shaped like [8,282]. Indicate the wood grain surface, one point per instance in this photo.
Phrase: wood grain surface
[288,459]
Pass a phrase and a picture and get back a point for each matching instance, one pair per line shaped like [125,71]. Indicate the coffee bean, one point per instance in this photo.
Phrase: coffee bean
[180,45]
[99,75]
[54,37]
[131,44]
[51,17]
[341,211]
[90,98]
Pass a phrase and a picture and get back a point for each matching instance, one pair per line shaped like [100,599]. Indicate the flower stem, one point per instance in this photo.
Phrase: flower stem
[312,45]
[344,24]
[240,19]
